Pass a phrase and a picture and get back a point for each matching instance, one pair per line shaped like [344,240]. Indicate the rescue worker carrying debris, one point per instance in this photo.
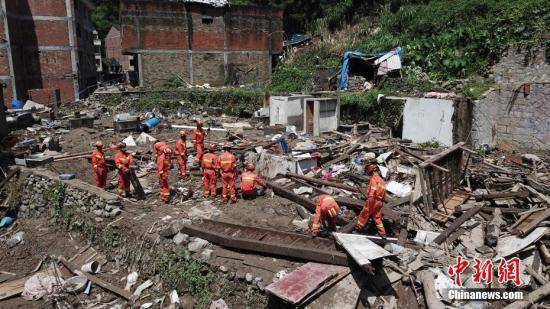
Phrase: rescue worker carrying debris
[123,160]
[249,180]
[164,162]
[100,166]
[228,168]
[376,195]
[326,212]
[198,140]
[181,154]
[210,167]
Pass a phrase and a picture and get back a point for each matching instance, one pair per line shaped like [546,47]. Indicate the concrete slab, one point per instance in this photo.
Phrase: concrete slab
[343,295]
[361,249]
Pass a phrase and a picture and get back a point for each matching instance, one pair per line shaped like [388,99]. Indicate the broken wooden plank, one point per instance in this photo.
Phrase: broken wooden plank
[539,195]
[360,248]
[531,298]
[441,155]
[118,291]
[323,182]
[496,195]
[288,194]
[9,176]
[267,241]
[420,160]
[492,230]
[427,278]
[343,295]
[531,222]
[304,280]
[140,194]
[457,223]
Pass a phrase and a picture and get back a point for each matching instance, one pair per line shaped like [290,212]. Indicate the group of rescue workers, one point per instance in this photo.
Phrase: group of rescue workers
[212,165]
[225,165]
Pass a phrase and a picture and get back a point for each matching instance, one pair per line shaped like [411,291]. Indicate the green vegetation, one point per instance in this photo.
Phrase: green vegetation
[105,15]
[443,39]
[430,144]
[232,101]
[181,271]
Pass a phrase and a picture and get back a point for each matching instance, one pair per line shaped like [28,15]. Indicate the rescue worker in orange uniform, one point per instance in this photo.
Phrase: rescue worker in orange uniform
[164,162]
[228,168]
[158,148]
[210,166]
[123,160]
[249,180]
[100,166]
[181,154]
[198,140]
[376,194]
[326,212]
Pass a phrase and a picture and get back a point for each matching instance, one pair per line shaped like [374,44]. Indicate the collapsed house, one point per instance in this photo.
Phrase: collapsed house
[200,43]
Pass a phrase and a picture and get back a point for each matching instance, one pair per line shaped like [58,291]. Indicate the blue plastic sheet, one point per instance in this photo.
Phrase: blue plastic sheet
[344,83]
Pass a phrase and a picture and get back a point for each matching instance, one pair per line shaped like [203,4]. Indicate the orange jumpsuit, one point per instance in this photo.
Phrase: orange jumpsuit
[198,142]
[163,166]
[228,166]
[326,211]
[210,165]
[100,168]
[158,148]
[248,184]
[376,195]
[181,157]
[123,161]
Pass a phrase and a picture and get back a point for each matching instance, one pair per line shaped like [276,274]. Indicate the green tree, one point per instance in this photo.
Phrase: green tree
[105,15]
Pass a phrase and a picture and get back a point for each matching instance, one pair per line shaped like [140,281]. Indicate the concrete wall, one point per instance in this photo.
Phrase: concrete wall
[230,45]
[48,44]
[525,123]
[287,110]
[426,119]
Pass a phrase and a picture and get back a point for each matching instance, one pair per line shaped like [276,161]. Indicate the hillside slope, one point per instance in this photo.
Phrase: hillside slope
[444,41]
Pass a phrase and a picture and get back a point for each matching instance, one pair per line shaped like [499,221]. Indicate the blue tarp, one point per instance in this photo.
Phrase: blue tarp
[344,84]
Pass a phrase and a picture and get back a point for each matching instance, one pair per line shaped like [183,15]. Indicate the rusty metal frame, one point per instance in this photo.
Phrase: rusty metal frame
[267,241]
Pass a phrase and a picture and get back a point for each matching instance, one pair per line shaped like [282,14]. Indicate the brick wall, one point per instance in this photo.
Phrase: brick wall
[159,67]
[113,48]
[49,97]
[525,123]
[226,46]
[41,53]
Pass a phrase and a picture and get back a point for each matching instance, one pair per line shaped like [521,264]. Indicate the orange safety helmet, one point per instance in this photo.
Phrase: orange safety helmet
[167,150]
[249,167]
[200,122]
[371,168]
[98,144]
[183,133]
[121,145]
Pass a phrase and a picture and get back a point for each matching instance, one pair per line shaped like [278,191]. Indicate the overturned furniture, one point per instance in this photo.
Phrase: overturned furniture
[440,178]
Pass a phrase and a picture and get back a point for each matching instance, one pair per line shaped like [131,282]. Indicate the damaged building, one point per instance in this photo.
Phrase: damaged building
[201,42]
[47,53]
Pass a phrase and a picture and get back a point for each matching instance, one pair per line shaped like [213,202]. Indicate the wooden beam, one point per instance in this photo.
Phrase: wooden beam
[521,194]
[531,222]
[323,182]
[457,223]
[442,154]
[9,176]
[531,298]
[118,291]
[288,194]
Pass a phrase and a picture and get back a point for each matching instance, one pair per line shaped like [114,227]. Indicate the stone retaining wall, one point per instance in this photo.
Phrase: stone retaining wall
[42,187]
[507,117]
